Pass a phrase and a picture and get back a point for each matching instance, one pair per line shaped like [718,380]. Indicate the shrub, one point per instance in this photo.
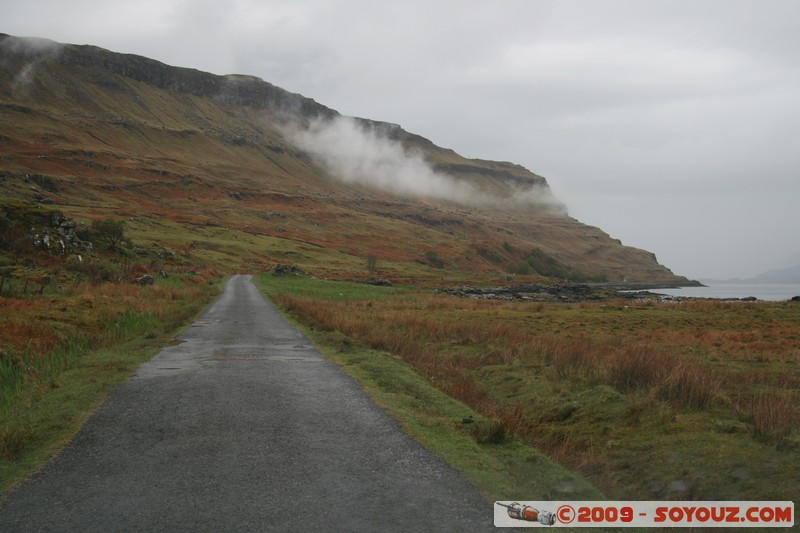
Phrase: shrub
[372,264]
[110,232]
[773,415]
[489,432]
[520,269]
[433,258]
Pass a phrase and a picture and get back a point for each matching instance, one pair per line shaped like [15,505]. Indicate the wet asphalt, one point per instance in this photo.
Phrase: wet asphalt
[243,426]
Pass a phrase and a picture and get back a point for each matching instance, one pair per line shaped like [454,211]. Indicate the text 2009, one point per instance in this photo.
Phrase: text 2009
[604,514]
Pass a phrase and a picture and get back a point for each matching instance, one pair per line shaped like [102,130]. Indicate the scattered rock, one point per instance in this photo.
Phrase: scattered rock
[543,292]
[48,229]
[288,270]
[570,292]
[378,281]
[147,279]
[45,182]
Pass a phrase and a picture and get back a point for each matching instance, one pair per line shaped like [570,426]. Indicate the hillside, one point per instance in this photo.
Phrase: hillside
[236,173]
[779,275]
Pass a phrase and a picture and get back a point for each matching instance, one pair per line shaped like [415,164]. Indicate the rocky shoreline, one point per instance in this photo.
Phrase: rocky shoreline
[566,292]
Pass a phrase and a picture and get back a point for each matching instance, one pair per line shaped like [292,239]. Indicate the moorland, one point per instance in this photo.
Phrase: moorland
[130,189]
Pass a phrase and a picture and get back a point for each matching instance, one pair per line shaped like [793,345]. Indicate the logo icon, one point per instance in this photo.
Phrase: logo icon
[529,514]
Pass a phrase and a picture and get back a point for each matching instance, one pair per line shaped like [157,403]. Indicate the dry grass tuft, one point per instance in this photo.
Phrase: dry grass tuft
[13,443]
[26,337]
[773,416]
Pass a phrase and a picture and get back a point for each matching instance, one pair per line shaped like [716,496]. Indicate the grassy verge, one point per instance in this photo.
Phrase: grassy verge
[88,339]
[648,401]
[501,466]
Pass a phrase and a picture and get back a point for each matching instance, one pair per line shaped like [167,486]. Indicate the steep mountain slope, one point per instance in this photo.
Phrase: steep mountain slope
[185,157]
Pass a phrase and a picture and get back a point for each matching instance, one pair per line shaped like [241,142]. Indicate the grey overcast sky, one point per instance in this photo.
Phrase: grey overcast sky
[672,125]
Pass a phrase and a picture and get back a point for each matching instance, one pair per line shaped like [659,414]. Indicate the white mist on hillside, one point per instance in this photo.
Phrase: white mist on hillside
[356,153]
[34,50]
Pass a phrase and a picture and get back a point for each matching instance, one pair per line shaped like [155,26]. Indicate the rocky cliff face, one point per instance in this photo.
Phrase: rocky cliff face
[233,90]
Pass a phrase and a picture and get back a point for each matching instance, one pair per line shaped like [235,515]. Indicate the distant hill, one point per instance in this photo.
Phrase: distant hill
[780,275]
[184,156]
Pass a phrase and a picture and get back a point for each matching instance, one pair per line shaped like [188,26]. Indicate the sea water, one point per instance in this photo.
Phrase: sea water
[761,291]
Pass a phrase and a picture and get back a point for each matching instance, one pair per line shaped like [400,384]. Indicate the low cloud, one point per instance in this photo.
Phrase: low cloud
[356,152]
[32,50]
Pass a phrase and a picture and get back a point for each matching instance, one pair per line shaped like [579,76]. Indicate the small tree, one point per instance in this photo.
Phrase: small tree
[5,272]
[433,259]
[44,281]
[109,231]
[372,264]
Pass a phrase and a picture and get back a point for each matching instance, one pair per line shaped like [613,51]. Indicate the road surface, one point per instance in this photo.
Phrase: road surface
[244,426]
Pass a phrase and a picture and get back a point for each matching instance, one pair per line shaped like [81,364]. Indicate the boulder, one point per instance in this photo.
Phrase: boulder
[378,281]
[288,270]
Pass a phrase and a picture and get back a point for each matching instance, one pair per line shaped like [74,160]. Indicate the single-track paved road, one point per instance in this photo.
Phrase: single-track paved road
[244,426]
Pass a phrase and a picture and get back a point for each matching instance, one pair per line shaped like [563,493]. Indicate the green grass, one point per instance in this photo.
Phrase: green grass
[46,398]
[16,372]
[333,291]
[39,423]
[131,324]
